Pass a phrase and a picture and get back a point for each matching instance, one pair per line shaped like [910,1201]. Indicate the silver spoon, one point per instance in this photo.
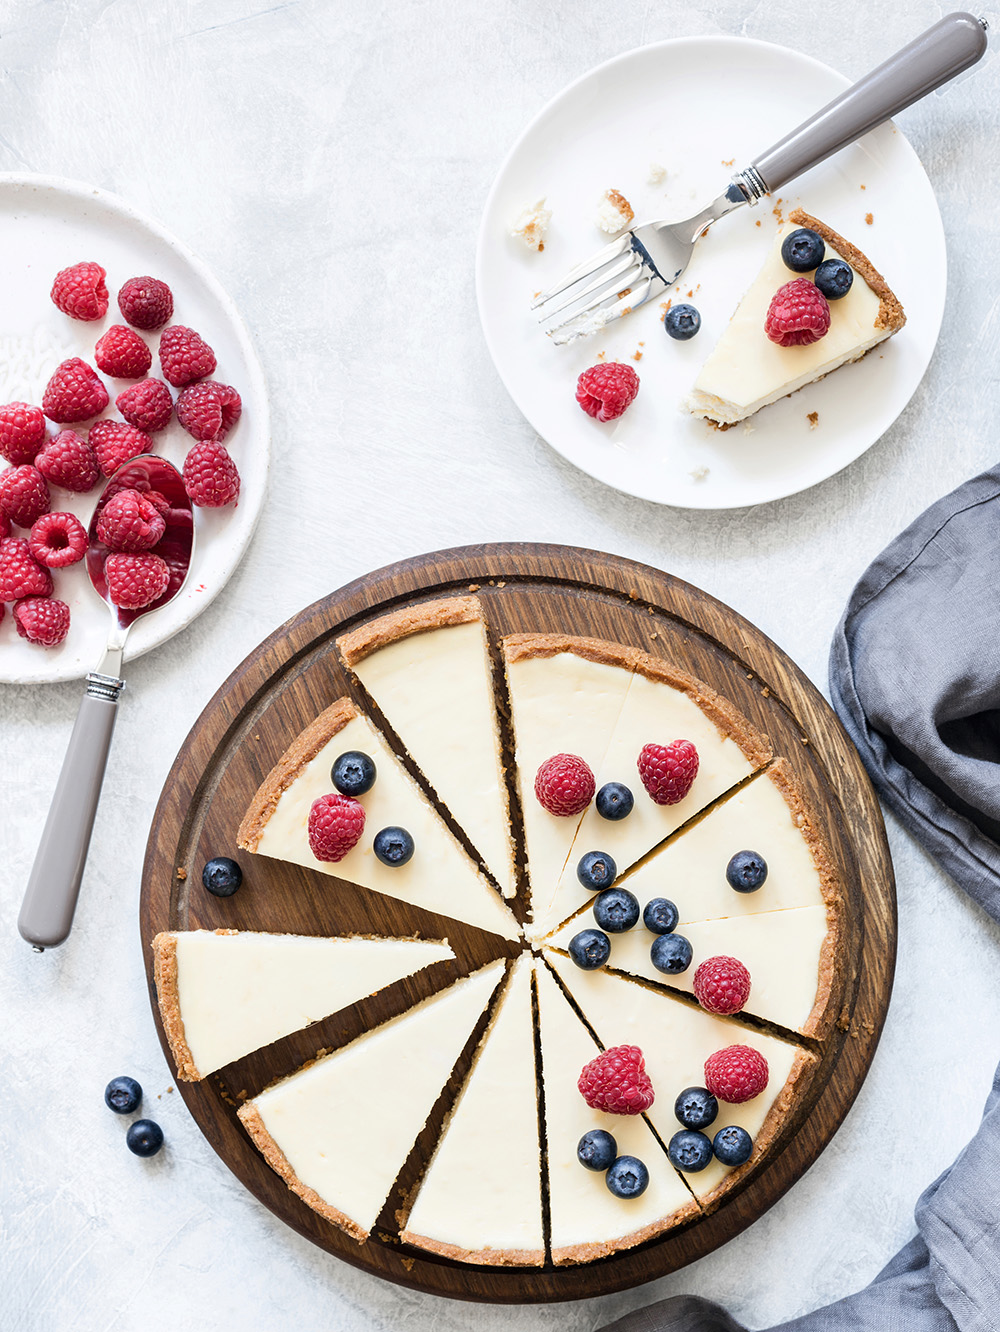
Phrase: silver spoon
[50,898]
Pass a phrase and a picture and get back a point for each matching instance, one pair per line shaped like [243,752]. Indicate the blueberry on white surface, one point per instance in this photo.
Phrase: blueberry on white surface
[393,846]
[732,1145]
[596,871]
[689,1150]
[628,1177]
[696,1108]
[660,916]
[614,801]
[353,773]
[144,1137]
[670,953]
[834,277]
[590,949]
[123,1095]
[597,1150]
[616,910]
[803,250]
[746,871]
[682,322]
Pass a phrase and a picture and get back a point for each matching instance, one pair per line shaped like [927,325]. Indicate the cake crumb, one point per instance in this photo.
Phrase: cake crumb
[804,739]
[602,355]
[531,224]
[731,161]
[864,187]
[181,873]
[407,1263]
[757,223]
[657,173]
[614,212]
[170,1091]
[766,692]
[813,419]
[869,219]
[748,429]
[499,584]
[637,355]
[698,473]
[474,587]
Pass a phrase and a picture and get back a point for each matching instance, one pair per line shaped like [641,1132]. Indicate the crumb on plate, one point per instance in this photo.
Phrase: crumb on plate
[531,224]
[657,173]
[698,473]
[614,212]
[813,419]
[869,219]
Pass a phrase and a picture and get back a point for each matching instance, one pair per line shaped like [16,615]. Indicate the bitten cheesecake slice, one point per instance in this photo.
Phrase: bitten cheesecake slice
[339,1130]
[224,993]
[746,371]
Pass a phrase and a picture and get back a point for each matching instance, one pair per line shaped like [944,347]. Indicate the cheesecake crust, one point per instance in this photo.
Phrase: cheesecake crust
[890,312]
[164,947]
[588,1253]
[523,647]
[418,619]
[482,1257]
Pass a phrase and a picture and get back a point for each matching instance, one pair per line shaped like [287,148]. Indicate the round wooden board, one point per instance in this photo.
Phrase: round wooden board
[296,673]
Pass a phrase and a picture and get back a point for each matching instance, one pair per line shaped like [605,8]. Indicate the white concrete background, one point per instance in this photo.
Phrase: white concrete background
[306,150]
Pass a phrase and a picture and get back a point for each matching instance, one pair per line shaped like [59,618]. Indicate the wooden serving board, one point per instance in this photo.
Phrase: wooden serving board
[296,673]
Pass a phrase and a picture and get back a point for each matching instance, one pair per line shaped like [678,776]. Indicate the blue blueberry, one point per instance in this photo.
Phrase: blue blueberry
[802,250]
[746,871]
[689,1150]
[627,1178]
[682,322]
[732,1145]
[590,949]
[834,278]
[222,876]
[596,871]
[660,916]
[144,1137]
[393,846]
[670,953]
[353,773]
[123,1095]
[696,1107]
[616,910]
[597,1150]
[614,801]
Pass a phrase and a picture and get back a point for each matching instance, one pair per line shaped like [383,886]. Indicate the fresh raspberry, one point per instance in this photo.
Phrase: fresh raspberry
[668,771]
[74,393]
[42,620]
[145,302]
[4,525]
[208,410]
[70,462]
[210,476]
[617,1081]
[135,581]
[184,355]
[58,539]
[159,502]
[736,1074]
[81,292]
[129,522]
[20,575]
[122,353]
[722,985]
[146,405]
[22,432]
[564,784]
[115,443]
[606,389]
[799,314]
[24,494]
[336,823]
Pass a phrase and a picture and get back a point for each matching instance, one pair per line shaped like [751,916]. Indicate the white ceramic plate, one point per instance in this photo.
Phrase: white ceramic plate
[702,108]
[46,225]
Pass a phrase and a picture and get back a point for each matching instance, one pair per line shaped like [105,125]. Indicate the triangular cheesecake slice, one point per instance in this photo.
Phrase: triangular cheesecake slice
[428,668]
[480,1200]
[224,993]
[339,1130]
[746,371]
[439,876]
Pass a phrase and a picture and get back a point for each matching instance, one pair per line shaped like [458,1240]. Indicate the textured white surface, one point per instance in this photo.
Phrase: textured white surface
[304,150]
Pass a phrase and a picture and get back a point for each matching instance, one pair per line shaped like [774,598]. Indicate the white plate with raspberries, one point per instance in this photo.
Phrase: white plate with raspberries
[48,226]
[666,126]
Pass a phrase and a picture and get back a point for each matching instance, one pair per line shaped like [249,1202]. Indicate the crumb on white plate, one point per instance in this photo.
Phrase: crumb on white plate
[813,419]
[698,473]
[748,429]
[531,224]
[657,173]
[614,212]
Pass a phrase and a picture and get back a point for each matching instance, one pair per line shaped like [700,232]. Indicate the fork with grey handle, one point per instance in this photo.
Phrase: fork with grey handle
[642,263]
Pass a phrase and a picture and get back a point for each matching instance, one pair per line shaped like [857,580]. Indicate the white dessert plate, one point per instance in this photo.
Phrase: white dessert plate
[702,107]
[48,224]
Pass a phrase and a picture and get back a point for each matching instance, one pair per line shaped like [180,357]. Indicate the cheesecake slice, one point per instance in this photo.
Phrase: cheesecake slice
[428,669]
[439,877]
[224,993]
[480,1200]
[339,1130]
[746,371]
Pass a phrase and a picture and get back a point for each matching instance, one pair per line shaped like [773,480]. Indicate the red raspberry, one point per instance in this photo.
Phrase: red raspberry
[115,443]
[617,1081]
[145,302]
[736,1074]
[81,292]
[336,823]
[122,353]
[24,495]
[668,771]
[210,476]
[146,405]
[20,575]
[135,581]
[208,410]
[564,785]
[74,393]
[184,355]
[722,985]
[130,522]
[22,432]
[606,389]
[4,525]
[799,314]
[58,539]
[70,462]
[42,620]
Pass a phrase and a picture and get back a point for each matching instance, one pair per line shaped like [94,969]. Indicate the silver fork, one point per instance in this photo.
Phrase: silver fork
[642,263]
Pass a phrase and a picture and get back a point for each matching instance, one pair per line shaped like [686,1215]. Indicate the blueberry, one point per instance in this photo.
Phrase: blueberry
[353,773]
[834,278]
[670,953]
[802,250]
[616,910]
[732,1145]
[122,1095]
[597,1150]
[590,949]
[660,916]
[682,322]
[222,876]
[393,846]
[689,1150]
[746,871]
[696,1107]
[614,801]
[627,1178]
[596,870]
[144,1137]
